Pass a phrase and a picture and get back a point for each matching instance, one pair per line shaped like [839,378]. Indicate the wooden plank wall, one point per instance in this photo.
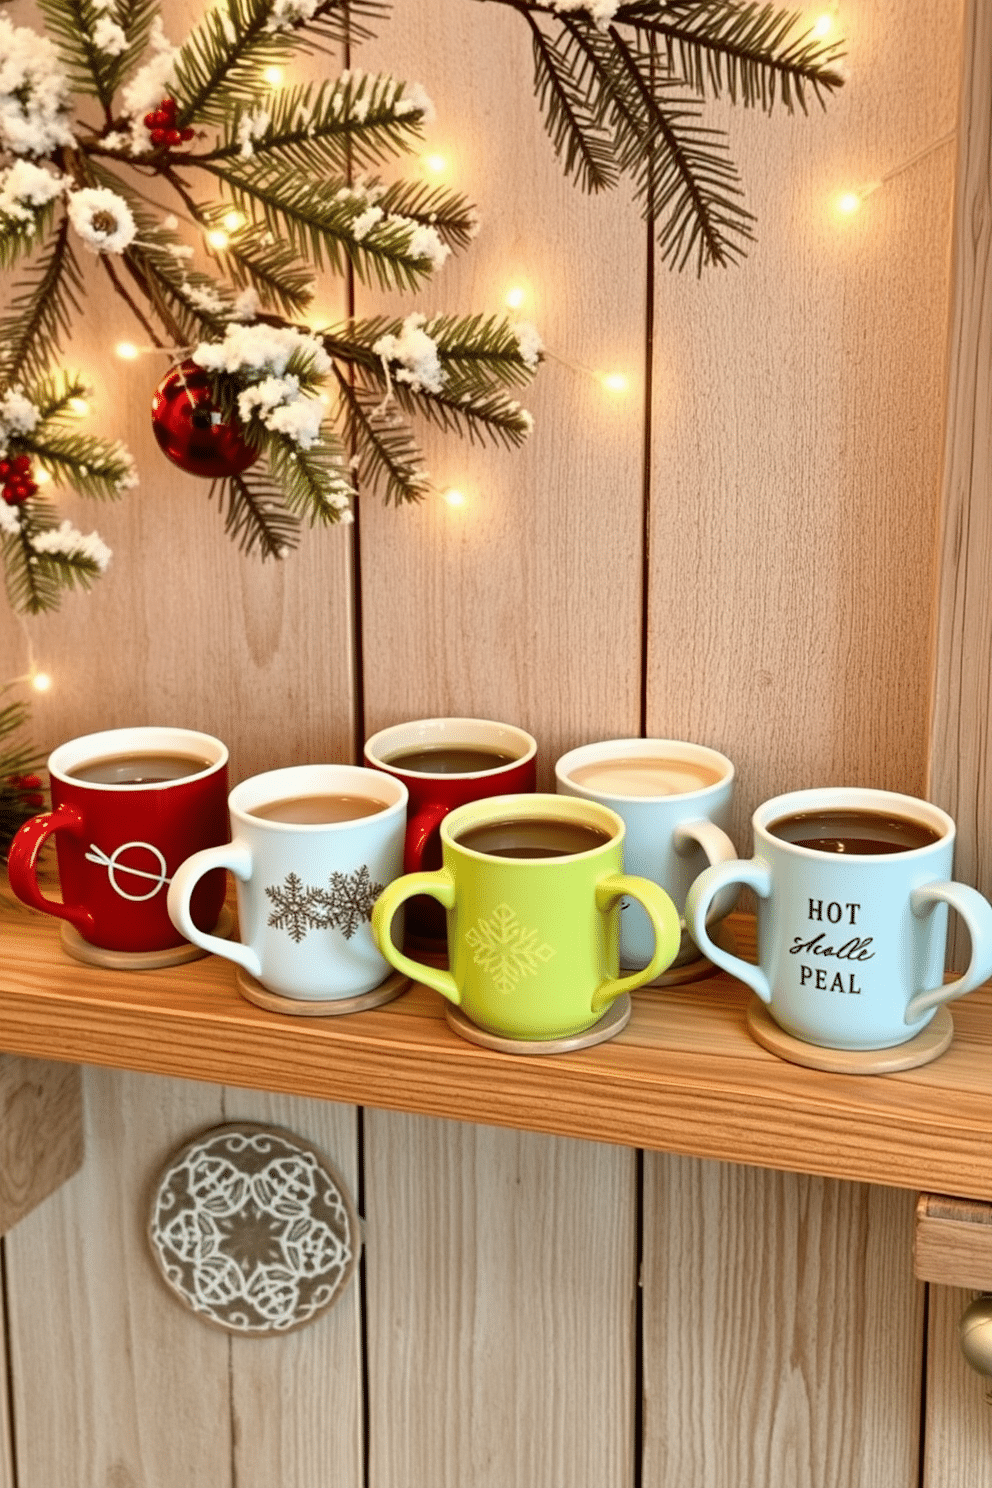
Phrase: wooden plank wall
[538,1312]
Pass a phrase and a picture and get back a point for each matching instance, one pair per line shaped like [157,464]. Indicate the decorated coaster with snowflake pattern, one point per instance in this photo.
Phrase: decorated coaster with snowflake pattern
[253,1230]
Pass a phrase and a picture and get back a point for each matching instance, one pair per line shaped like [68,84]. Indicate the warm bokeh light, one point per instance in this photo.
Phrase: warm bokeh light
[453,496]
[80,406]
[848,203]
[437,164]
[516,297]
[41,681]
[615,382]
[218,239]
[234,220]
[823,25]
[41,477]
[127,351]
[274,76]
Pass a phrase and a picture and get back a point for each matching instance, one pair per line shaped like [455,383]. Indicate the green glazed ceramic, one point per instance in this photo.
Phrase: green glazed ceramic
[533,943]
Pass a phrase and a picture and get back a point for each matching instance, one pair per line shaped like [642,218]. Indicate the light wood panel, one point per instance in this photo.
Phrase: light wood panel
[7,1479]
[797,417]
[959,775]
[958,1416]
[114,1381]
[952,1243]
[41,1132]
[782,1331]
[524,604]
[501,1307]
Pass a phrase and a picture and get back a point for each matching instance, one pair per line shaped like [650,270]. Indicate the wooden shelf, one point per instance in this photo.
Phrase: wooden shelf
[684,1076]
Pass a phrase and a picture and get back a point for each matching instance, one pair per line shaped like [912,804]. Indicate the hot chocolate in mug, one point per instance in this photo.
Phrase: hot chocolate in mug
[532,887]
[675,800]
[853,888]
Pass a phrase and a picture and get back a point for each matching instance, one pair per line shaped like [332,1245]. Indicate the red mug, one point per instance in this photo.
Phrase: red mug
[444,763]
[128,807]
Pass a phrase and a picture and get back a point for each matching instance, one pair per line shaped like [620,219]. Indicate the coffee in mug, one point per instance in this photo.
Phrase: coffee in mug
[675,801]
[532,885]
[449,759]
[318,810]
[853,890]
[138,769]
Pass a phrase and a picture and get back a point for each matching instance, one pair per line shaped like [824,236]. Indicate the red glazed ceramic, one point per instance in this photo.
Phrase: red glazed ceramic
[128,807]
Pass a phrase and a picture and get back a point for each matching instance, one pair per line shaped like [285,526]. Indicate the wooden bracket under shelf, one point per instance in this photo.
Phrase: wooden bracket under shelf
[41,1132]
[953,1242]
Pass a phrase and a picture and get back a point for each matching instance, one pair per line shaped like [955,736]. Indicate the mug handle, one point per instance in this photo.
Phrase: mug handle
[718,849]
[418,833]
[667,932]
[22,863]
[976,912]
[439,885]
[756,874]
[233,855]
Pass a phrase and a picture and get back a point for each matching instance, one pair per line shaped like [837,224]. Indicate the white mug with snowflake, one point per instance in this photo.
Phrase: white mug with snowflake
[312,848]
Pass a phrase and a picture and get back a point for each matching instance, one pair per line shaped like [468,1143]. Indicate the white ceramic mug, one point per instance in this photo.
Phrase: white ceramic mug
[305,889]
[675,800]
[850,943]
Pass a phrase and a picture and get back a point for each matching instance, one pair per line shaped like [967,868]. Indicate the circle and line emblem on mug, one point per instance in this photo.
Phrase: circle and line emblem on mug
[117,868]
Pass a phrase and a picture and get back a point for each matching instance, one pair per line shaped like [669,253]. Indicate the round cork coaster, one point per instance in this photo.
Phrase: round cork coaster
[80,950]
[252,1229]
[695,971]
[330,1007]
[926,1046]
[610,1024]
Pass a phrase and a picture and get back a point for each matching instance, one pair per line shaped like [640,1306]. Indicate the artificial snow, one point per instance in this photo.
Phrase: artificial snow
[35,106]
[68,541]
[412,357]
[529,343]
[102,219]
[109,37]
[25,186]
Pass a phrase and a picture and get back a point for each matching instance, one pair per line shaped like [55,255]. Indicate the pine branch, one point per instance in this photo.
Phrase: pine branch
[218,65]
[19,798]
[326,223]
[19,237]
[571,115]
[745,51]
[92,466]
[40,310]
[449,213]
[388,457]
[479,351]
[35,581]
[90,70]
[462,409]
[314,482]
[254,514]
[255,259]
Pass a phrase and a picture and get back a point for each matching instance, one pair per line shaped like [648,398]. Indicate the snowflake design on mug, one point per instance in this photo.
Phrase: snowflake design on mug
[345,905]
[506,949]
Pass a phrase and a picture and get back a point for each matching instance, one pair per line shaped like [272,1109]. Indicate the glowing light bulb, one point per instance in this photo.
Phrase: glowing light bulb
[218,239]
[516,296]
[454,497]
[823,25]
[41,477]
[80,406]
[233,220]
[41,681]
[848,203]
[127,351]
[274,76]
[435,163]
[615,382]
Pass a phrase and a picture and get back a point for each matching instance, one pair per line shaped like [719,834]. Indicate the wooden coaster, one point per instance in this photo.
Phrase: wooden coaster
[329,1007]
[610,1024]
[253,1230]
[694,971]
[927,1045]
[74,945]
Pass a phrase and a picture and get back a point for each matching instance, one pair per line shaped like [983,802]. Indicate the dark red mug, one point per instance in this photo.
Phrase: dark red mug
[445,762]
[124,817]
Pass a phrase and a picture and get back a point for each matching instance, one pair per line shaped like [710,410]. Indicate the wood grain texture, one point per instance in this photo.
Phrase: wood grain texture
[141,1391]
[782,1330]
[525,604]
[682,1076]
[796,436]
[501,1305]
[7,1478]
[959,776]
[41,1132]
[958,1447]
[952,1242]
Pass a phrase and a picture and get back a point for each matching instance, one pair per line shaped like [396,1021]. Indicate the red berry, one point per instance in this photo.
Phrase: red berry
[151,120]
[168,105]
[158,136]
[4,469]
[34,799]
[29,782]
[172,138]
[186,134]
[21,463]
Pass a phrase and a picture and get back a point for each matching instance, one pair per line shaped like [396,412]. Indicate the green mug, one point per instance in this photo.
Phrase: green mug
[532,885]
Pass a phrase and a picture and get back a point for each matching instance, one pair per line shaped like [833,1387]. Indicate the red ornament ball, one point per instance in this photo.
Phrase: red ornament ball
[190,430]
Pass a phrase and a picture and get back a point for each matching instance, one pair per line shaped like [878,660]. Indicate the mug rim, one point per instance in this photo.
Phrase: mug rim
[841,797]
[633,748]
[153,736]
[419,730]
[528,805]
[252,787]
